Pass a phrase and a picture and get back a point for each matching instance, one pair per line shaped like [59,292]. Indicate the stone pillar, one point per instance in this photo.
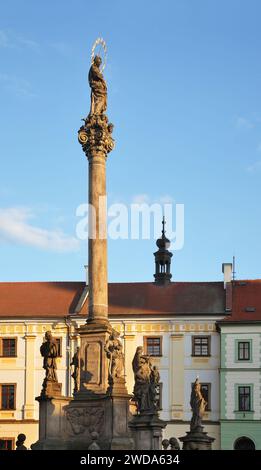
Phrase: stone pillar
[95,136]
[96,140]
[97,244]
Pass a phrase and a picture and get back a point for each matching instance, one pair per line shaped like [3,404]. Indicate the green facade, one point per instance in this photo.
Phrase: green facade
[233,430]
[235,424]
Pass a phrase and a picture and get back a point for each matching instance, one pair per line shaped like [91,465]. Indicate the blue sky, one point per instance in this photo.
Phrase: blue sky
[184,95]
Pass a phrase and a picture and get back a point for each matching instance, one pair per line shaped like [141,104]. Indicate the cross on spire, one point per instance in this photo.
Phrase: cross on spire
[163,225]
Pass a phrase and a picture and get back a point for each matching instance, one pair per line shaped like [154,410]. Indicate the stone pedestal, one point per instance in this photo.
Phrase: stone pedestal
[147,431]
[100,405]
[197,440]
[68,424]
[52,423]
[106,415]
[93,360]
[51,389]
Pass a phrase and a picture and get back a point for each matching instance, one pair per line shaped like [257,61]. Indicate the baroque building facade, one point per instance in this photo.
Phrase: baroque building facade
[174,322]
[206,329]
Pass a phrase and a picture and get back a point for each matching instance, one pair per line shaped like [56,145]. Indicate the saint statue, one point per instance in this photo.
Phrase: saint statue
[98,88]
[198,405]
[49,352]
[76,361]
[146,388]
[114,352]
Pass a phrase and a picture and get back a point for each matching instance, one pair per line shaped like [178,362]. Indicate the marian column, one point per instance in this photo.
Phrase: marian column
[95,136]
[102,361]
[99,408]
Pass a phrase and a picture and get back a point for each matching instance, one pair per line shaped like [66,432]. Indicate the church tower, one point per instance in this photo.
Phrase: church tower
[163,258]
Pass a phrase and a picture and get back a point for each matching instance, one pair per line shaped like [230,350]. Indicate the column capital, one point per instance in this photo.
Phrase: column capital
[95,136]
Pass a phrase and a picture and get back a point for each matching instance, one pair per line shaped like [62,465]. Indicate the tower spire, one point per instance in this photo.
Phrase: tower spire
[163,225]
[163,258]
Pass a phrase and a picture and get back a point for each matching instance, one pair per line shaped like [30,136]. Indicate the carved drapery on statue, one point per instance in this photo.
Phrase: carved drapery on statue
[98,88]
[49,352]
[114,352]
[198,405]
[146,388]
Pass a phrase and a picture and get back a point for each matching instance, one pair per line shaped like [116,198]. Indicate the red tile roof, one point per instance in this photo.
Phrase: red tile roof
[39,299]
[246,301]
[52,299]
[174,298]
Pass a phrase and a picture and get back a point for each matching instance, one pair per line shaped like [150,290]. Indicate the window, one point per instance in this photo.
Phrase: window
[59,346]
[200,345]
[6,443]
[243,350]
[159,396]
[244,398]
[153,345]
[206,392]
[7,396]
[8,347]
[58,342]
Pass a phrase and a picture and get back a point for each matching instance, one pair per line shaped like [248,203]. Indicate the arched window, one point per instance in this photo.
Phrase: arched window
[244,443]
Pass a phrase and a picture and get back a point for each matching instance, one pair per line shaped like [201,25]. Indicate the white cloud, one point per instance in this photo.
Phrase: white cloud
[244,123]
[10,39]
[16,85]
[4,42]
[254,167]
[62,48]
[15,227]
[167,199]
[141,199]
[146,199]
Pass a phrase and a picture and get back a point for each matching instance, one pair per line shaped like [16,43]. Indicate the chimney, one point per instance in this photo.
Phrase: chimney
[86,274]
[227,271]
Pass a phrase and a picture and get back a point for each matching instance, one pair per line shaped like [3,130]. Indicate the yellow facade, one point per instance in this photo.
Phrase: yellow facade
[177,368]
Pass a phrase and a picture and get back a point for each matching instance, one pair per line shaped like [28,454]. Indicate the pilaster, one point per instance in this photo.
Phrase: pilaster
[177,375]
[29,407]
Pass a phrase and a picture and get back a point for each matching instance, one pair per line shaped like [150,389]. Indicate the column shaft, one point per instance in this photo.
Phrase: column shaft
[97,243]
